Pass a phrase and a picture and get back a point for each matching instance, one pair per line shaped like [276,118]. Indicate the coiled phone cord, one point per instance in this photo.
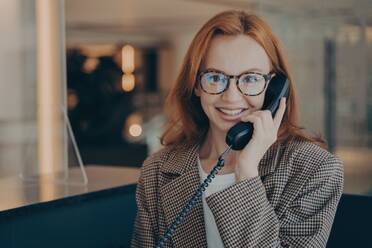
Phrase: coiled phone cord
[193,200]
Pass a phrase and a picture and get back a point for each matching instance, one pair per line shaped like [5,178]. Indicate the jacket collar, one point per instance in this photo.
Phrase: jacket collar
[184,157]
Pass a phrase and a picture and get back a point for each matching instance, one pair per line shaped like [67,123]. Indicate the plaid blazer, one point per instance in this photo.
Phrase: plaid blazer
[291,204]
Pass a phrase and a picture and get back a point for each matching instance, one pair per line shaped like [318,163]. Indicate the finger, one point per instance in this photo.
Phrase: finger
[246,113]
[248,116]
[266,117]
[280,113]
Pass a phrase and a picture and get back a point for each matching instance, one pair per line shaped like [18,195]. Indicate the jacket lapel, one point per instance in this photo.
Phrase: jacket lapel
[175,195]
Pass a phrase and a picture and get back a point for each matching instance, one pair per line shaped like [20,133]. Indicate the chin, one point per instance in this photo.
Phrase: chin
[222,127]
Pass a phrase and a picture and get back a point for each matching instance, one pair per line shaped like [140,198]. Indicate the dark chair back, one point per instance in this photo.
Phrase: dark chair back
[353,222]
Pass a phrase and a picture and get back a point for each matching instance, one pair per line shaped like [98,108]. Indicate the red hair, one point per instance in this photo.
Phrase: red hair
[186,121]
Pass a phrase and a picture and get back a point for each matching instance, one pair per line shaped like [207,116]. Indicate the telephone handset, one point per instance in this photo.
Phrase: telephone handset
[239,135]
[237,138]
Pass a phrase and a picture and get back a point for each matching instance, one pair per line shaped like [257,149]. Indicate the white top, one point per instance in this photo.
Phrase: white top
[220,182]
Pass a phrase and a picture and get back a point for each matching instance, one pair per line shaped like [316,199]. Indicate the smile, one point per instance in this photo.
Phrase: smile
[231,112]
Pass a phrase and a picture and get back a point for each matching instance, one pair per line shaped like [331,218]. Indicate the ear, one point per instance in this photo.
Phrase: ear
[197,90]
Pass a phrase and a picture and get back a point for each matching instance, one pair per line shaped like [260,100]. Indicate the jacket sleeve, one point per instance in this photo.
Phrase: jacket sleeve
[144,231]
[251,221]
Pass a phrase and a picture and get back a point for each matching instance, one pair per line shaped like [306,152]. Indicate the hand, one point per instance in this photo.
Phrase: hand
[264,135]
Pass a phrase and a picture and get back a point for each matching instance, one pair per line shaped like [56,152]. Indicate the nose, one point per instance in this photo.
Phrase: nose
[232,94]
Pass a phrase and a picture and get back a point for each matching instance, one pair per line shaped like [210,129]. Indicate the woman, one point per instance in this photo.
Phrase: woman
[281,190]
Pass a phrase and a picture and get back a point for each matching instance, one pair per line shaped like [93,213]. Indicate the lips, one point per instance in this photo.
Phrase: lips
[231,114]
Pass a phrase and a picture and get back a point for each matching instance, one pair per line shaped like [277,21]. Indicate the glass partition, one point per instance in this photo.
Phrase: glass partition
[37,146]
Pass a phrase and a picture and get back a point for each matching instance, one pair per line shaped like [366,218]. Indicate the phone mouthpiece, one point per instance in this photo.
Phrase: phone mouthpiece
[239,135]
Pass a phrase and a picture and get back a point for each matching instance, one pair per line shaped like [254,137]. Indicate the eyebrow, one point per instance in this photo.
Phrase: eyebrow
[246,71]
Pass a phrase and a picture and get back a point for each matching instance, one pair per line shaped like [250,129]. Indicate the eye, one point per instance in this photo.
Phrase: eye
[252,78]
[213,77]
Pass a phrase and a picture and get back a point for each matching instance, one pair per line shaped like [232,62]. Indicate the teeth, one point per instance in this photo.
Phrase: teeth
[230,111]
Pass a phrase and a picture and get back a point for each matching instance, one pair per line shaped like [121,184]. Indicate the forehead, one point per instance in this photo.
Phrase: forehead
[236,54]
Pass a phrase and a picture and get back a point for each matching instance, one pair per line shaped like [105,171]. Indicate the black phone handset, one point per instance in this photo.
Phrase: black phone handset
[237,138]
[241,133]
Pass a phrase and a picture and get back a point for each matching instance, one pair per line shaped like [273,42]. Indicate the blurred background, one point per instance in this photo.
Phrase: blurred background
[117,60]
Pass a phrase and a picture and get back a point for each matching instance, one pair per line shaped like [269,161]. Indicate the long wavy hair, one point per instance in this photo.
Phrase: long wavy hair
[186,120]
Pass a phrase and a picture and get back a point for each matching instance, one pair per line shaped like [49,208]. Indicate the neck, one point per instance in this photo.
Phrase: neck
[213,146]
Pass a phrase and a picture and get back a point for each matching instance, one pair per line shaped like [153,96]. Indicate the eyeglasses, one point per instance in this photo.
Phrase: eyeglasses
[249,83]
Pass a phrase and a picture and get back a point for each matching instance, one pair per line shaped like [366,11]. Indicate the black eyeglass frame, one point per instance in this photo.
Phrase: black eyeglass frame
[267,78]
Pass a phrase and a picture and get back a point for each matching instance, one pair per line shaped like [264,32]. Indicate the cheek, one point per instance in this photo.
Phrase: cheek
[207,102]
[255,102]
